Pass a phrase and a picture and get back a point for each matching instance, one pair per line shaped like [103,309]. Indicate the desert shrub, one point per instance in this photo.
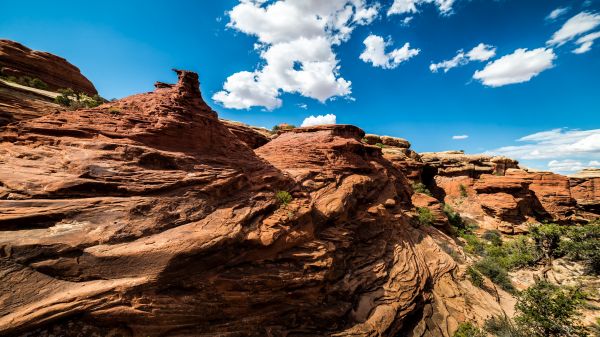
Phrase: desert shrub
[495,272]
[501,326]
[475,277]
[547,310]
[453,217]
[493,236]
[283,197]
[283,127]
[37,83]
[473,244]
[468,330]
[463,191]
[582,243]
[380,145]
[62,100]
[425,216]
[419,187]
[450,251]
[517,253]
[547,238]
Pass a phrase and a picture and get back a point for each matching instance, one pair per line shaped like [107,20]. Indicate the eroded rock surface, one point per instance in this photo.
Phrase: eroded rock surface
[148,217]
[18,60]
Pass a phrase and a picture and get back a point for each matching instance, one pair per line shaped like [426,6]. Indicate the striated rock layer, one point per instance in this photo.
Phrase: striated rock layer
[18,60]
[148,217]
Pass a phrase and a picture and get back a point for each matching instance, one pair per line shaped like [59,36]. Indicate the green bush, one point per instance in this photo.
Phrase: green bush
[501,326]
[475,277]
[493,236]
[468,330]
[473,244]
[463,191]
[420,188]
[453,218]
[426,218]
[517,253]
[582,243]
[380,145]
[283,197]
[547,238]
[495,272]
[62,100]
[548,310]
[37,83]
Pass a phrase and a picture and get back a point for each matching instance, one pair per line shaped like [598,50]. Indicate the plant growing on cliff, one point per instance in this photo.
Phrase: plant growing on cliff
[380,145]
[547,310]
[468,330]
[463,191]
[547,239]
[475,277]
[283,198]
[453,218]
[426,218]
[582,243]
[498,274]
[419,187]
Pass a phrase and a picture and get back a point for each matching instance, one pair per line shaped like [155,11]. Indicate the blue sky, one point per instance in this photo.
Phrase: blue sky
[550,120]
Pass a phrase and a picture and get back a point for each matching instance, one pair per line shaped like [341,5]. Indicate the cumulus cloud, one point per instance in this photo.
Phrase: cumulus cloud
[319,120]
[459,137]
[410,6]
[556,144]
[482,52]
[557,12]
[520,66]
[586,42]
[295,42]
[375,53]
[575,26]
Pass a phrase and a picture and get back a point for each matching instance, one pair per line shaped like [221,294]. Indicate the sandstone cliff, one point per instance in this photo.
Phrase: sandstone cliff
[147,216]
[18,60]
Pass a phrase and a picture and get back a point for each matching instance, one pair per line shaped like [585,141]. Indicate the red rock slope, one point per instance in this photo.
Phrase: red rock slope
[148,217]
[18,60]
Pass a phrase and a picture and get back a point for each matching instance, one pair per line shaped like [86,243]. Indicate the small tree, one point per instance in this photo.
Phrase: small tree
[547,310]
[419,187]
[463,191]
[426,218]
[547,239]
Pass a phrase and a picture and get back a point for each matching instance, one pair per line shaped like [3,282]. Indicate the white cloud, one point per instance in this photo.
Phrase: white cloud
[482,52]
[557,12]
[295,42]
[520,66]
[303,106]
[319,120]
[556,144]
[459,137]
[407,20]
[570,165]
[575,26]
[586,42]
[375,53]
[410,6]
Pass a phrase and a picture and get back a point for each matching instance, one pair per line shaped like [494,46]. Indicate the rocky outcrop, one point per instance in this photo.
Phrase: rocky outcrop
[18,60]
[147,216]
[17,104]
[252,136]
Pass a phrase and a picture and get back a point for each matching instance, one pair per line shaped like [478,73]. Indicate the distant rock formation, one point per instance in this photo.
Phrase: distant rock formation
[18,60]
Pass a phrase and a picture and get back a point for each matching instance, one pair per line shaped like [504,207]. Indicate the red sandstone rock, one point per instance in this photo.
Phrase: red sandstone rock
[18,60]
[253,137]
[147,216]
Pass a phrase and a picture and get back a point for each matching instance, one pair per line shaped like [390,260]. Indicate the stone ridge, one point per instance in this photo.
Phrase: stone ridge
[18,60]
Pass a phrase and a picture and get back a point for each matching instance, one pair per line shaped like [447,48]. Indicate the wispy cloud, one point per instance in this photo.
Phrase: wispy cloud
[482,52]
[575,26]
[459,137]
[557,12]
[556,144]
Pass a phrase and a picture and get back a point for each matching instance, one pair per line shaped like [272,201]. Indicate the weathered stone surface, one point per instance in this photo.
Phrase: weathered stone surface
[372,139]
[18,60]
[395,142]
[18,104]
[436,208]
[147,216]
[252,136]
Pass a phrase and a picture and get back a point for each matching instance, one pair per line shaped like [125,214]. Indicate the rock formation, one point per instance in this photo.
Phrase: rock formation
[147,216]
[18,104]
[18,60]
